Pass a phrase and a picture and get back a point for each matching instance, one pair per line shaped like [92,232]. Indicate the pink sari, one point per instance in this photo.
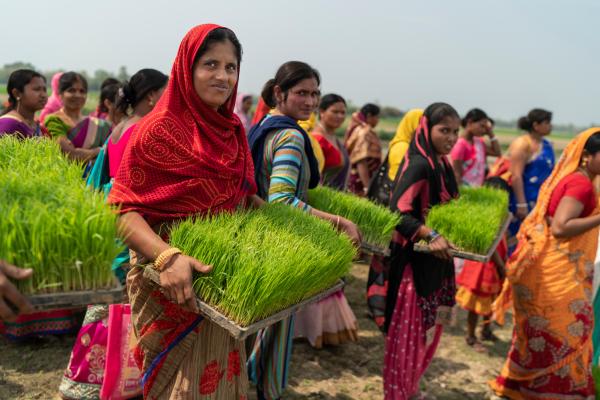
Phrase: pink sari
[408,348]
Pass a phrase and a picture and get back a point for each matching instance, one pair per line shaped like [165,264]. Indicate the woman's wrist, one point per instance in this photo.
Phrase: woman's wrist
[164,257]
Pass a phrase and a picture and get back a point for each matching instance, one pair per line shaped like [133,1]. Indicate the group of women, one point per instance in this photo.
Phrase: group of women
[186,145]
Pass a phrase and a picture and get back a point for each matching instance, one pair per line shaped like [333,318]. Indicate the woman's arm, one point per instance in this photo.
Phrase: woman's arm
[493,149]
[287,161]
[75,153]
[176,276]
[362,167]
[9,292]
[566,222]
[519,155]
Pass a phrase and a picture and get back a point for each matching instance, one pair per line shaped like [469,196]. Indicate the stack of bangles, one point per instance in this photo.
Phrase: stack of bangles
[522,205]
[161,260]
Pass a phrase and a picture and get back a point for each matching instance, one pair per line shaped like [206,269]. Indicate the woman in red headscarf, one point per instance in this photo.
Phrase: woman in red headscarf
[188,156]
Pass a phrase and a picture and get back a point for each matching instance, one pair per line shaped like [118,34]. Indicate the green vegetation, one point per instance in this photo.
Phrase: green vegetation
[51,221]
[472,221]
[264,260]
[375,222]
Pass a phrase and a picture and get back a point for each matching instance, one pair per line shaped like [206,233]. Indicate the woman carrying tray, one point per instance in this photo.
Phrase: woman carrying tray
[87,366]
[529,162]
[478,282]
[79,137]
[549,280]
[285,168]
[188,156]
[421,286]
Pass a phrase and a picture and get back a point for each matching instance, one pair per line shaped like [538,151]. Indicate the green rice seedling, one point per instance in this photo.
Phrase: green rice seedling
[472,221]
[263,260]
[375,222]
[51,221]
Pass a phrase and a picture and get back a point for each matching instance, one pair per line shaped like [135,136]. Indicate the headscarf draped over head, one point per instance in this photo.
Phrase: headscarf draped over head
[420,151]
[54,103]
[534,233]
[185,157]
[424,180]
[399,144]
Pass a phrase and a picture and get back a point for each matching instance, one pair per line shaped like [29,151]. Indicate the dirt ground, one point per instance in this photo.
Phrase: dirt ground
[351,371]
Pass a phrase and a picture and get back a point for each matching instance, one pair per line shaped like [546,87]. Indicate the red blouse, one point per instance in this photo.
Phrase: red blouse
[333,157]
[577,186]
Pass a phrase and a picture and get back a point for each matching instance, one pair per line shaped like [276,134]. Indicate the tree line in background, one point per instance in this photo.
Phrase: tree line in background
[96,79]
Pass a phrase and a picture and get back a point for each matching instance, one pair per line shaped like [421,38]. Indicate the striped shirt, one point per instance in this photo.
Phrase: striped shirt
[285,174]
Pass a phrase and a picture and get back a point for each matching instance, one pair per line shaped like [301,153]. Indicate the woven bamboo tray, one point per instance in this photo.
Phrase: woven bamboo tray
[424,248]
[80,299]
[242,332]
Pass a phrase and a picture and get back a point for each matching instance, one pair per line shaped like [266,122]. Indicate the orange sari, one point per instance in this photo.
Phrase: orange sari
[549,283]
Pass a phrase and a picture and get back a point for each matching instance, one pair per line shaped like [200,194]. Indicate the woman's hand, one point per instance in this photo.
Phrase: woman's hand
[351,230]
[176,280]
[440,248]
[8,291]
[521,212]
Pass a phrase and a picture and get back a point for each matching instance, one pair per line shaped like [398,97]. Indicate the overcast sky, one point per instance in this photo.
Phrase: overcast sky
[504,56]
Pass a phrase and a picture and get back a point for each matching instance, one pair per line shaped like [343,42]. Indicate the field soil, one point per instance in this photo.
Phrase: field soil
[350,371]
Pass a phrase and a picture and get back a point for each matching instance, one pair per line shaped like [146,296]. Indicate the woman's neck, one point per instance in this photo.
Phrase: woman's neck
[328,130]
[468,135]
[26,115]
[536,136]
[74,114]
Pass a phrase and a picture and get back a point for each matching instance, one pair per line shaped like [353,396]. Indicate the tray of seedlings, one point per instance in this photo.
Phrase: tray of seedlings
[375,222]
[475,223]
[267,263]
[51,222]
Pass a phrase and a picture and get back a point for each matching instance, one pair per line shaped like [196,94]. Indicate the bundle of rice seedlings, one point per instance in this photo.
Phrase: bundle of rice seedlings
[264,260]
[51,221]
[374,221]
[472,221]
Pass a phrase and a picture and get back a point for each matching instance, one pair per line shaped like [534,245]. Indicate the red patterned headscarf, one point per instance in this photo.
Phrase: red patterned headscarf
[184,157]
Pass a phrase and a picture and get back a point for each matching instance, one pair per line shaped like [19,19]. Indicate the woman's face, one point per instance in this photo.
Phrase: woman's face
[479,128]
[372,120]
[542,128]
[300,101]
[75,96]
[333,117]
[216,74]
[592,163]
[34,96]
[444,135]
[247,105]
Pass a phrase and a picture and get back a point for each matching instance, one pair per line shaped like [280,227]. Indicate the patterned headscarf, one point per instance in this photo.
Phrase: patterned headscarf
[185,157]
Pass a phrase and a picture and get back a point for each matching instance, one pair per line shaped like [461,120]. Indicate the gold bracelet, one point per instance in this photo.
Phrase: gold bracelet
[163,257]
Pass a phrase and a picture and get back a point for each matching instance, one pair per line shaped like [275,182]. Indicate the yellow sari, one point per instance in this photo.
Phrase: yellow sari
[549,283]
[399,144]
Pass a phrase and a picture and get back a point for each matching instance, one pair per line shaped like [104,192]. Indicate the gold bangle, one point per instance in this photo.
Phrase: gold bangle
[163,257]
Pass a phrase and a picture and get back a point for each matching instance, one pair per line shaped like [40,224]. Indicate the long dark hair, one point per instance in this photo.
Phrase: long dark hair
[141,83]
[288,76]
[18,80]
[68,79]
[536,115]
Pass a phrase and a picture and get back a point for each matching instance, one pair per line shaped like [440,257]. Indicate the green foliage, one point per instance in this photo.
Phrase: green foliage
[264,260]
[472,221]
[375,222]
[51,221]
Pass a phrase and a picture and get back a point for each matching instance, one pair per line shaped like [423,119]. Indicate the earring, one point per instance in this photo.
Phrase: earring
[584,163]
[151,103]
[18,99]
